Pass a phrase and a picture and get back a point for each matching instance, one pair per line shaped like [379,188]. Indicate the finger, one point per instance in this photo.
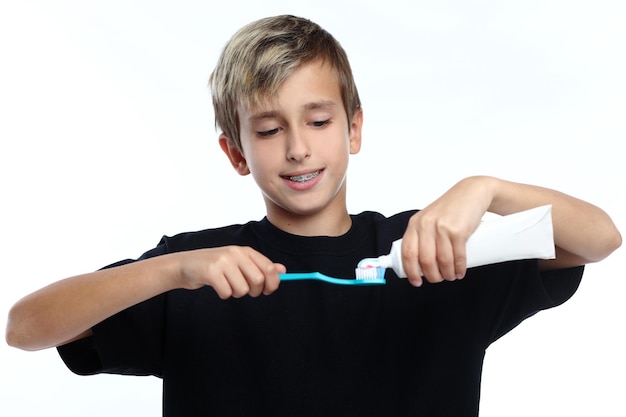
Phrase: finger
[222,287]
[428,258]
[460,257]
[445,258]
[223,274]
[273,281]
[263,279]
[234,270]
[410,252]
[238,283]
[254,278]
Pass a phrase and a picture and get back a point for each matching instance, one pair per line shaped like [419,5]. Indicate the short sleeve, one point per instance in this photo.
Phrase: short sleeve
[525,292]
[130,342]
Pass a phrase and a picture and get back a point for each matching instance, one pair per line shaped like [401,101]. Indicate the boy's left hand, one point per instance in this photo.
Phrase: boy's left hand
[435,237]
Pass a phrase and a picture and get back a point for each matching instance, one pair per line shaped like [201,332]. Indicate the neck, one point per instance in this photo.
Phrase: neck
[331,223]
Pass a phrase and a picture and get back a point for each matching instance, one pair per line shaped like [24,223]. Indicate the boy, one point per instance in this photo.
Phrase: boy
[191,310]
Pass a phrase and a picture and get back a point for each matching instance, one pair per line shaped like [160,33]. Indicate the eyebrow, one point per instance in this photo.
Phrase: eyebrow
[271,114]
[315,105]
[322,104]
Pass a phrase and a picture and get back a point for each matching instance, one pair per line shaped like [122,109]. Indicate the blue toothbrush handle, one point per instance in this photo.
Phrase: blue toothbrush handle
[296,276]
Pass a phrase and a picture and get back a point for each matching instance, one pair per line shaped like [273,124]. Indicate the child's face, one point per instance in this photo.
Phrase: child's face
[298,147]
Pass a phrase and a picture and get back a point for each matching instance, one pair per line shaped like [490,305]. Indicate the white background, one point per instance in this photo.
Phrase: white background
[107,143]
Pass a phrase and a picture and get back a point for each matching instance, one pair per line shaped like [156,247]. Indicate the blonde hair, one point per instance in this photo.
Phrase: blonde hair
[261,55]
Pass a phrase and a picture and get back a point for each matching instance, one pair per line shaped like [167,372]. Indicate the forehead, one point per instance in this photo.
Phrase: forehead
[311,86]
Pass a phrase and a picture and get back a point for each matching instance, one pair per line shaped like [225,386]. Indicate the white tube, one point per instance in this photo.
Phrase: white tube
[524,235]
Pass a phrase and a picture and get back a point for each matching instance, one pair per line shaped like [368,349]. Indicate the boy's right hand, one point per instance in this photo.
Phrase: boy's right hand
[232,271]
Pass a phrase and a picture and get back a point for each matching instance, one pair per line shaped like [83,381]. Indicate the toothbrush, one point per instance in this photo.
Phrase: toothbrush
[363,280]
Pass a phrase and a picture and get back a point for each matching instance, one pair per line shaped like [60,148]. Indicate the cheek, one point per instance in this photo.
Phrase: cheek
[341,148]
[263,162]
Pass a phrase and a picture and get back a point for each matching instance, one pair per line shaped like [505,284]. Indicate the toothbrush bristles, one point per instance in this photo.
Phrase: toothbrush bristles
[370,273]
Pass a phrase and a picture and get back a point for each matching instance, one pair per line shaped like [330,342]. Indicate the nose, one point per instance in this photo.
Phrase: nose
[298,148]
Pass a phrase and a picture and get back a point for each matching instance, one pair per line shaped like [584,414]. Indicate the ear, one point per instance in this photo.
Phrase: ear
[235,156]
[355,132]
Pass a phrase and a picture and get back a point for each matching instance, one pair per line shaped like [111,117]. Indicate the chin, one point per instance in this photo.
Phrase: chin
[301,209]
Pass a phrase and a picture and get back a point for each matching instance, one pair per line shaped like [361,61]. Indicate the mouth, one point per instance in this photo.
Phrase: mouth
[303,177]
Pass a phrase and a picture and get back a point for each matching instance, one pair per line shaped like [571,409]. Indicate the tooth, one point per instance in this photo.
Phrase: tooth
[304,177]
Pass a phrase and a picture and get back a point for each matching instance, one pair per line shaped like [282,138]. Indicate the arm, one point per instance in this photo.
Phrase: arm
[583,233]
[68,309]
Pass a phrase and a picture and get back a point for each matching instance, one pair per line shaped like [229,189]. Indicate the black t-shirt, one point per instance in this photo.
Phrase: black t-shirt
[318,349]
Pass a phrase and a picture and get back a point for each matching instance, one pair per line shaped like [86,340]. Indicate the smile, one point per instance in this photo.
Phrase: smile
[304,177]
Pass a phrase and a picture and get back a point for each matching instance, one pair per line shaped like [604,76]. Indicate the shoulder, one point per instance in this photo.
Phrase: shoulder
[387,228]
[236,234]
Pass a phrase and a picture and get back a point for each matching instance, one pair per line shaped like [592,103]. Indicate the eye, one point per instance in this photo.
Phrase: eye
[267,133]
[321,123]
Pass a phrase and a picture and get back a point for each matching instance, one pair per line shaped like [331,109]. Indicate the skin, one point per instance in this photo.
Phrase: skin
[305,131]
[304,135]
